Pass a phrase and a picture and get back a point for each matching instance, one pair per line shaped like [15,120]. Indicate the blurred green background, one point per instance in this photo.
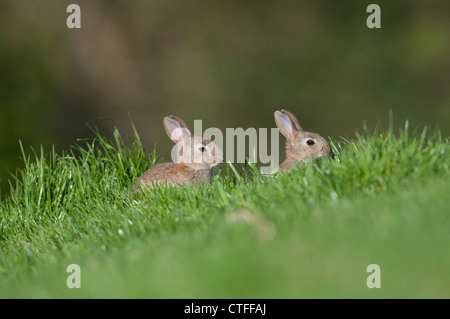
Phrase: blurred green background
[229,63]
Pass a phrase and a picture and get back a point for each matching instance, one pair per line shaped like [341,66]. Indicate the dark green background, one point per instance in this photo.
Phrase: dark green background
[229,63]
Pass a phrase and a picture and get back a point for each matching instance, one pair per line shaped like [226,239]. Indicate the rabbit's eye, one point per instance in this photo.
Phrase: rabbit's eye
[202,149]
[310,142]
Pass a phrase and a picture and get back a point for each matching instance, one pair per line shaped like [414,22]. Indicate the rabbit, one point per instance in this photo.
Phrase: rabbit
[301,146]
[196,158]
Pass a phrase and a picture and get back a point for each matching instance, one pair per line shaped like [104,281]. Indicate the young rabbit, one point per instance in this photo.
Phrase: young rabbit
[301,146]
[196,158]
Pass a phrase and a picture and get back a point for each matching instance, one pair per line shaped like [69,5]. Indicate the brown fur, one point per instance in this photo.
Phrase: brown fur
[298,151]
[171,173]
[193,166]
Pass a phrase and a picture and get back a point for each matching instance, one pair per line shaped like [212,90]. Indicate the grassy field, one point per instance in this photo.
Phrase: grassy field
[308,234]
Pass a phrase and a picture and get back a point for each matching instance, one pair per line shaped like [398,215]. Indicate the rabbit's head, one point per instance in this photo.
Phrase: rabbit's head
[301,146]
[193,151]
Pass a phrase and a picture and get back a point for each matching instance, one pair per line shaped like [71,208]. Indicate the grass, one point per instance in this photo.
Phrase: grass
[311,233]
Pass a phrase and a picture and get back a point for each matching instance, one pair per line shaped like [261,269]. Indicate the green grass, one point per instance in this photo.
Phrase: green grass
[310,233]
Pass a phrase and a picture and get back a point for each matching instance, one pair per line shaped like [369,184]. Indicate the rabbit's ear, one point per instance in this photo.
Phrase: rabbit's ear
[284,124]
[179,120]
[293,120]
[176,128]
